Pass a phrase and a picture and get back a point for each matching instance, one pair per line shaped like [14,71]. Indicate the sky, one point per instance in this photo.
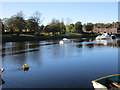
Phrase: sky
[95,12]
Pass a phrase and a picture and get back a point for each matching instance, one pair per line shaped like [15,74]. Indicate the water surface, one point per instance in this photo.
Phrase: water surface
[54,65]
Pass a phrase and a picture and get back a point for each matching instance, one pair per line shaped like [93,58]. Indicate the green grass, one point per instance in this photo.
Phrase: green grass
[74,33]
[27,35]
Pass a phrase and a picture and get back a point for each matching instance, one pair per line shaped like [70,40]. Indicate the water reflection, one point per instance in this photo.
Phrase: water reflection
[1,81]
[79,45]
[26,69]
[13,48]
[89,45]
[97,43]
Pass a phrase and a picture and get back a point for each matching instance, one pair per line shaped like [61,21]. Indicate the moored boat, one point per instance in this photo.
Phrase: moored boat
[1,80]
[108,82]
[103,36]
[1,70]
[113,36]
[64,40]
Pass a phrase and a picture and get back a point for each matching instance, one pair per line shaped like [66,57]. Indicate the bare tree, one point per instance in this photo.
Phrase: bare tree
[37,17]
[68,20]
[20,14]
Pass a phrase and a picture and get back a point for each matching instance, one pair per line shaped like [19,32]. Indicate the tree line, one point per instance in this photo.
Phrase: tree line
[18,23]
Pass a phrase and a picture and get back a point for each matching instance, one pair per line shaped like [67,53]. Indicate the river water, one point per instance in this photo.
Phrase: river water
[54,65]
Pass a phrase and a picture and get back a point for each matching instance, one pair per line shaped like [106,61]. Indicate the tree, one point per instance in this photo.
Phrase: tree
[70,28]
[42,28]
[54,28]
[46,29]
[88,27]
[19,24]
[16,23]
[62,28]
[67,28]
[20,14]
[36,17]
[1,26]
[9,24]
[32,24]
[78,27]
[68,20]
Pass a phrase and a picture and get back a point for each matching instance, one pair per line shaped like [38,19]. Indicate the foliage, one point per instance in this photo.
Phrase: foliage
[67,28]
[46,29]
[78,27]
[18,23]
[88,26]
[10,24]
[1,26]
[62,28]
[32,25]
[37,17]
[15,23]
[42,28]
[70,28]
[55,26]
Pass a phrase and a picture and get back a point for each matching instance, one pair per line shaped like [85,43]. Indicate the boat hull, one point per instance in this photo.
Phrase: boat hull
[103,82]
[1,70]
[102,38]
[105,36]
[65,40]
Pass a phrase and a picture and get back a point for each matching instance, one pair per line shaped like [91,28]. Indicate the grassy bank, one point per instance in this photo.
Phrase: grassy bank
[26,37]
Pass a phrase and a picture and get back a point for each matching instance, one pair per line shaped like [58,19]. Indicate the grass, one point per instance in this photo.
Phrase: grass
[74,33]
[42,36]
[27,35]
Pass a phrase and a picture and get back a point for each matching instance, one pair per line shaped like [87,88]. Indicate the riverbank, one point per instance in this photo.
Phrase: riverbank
[22,38]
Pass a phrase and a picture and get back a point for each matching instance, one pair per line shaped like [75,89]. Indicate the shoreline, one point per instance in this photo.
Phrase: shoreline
[16,38]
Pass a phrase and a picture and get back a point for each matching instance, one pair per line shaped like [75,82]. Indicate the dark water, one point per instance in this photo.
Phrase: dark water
[54,65]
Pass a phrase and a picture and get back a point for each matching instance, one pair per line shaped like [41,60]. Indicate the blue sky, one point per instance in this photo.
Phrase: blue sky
[94,12]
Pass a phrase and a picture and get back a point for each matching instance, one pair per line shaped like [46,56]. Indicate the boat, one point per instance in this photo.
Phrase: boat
[108,82]
[64,40]
[103,36]
[1,70]
[113,36]
[1,80]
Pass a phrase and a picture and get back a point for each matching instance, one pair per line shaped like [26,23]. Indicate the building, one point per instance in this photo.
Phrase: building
[107,30]
[111,28]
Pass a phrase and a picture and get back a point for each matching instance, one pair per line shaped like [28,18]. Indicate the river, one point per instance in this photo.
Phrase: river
[54,65]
